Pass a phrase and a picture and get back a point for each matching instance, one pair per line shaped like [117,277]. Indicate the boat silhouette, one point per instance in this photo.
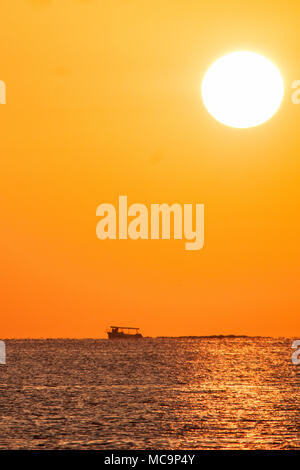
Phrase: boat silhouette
[123,332]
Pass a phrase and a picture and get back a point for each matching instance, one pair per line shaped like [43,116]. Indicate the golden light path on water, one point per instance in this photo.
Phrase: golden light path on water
[201,393]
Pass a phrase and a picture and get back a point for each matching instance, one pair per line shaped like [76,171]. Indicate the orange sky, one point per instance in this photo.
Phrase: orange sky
[103,99]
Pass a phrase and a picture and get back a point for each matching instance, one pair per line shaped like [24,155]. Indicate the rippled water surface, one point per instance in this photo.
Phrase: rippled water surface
[204,393]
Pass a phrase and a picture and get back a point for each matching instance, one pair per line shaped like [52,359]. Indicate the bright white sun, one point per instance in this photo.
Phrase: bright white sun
[242,89]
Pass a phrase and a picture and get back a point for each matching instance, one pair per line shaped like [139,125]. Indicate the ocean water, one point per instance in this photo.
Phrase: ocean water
[185,393]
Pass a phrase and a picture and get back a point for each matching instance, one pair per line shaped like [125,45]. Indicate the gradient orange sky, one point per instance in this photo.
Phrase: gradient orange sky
[103,99]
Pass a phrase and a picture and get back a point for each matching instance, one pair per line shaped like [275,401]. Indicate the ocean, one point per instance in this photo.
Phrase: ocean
[154,393]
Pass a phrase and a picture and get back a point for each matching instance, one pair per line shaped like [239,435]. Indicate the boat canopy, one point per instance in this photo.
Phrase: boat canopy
[125,328]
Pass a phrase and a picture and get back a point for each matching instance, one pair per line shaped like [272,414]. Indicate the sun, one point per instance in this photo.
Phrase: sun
[242,89]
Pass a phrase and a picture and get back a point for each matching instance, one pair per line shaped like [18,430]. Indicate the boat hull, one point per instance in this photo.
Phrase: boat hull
[123,335]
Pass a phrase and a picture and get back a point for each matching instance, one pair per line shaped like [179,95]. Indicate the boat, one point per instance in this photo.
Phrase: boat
[123,332]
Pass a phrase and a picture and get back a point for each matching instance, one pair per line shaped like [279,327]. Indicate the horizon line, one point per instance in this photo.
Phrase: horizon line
[44,338]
